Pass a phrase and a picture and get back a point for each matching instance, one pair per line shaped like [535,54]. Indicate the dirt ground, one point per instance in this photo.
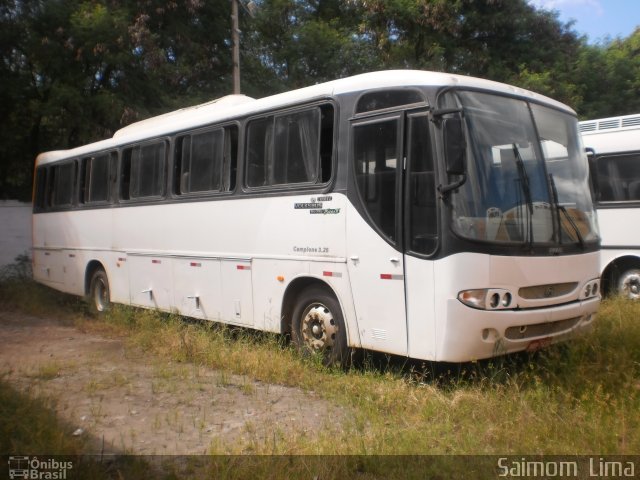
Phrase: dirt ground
[125,401]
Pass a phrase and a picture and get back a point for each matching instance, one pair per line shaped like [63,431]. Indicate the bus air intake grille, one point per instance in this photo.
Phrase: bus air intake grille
[608,124]
[551,290]
[540,329]
[633,121]
[588,127]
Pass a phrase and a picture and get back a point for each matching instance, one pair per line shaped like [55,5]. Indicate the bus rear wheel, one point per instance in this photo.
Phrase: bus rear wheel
[318,327]
[99,294]
[629,283]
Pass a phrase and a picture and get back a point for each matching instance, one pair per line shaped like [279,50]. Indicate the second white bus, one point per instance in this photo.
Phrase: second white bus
[421,214]
[615,175]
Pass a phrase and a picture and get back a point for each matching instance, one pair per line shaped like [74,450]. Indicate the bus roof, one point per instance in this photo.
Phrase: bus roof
[604,125]
[232,106]
[611,134]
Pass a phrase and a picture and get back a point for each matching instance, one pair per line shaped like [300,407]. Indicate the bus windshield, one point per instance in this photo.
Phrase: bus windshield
[526,175]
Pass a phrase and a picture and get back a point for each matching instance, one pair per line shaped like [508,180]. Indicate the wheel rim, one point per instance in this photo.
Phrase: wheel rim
[318,327]
[631,285]
[100,295]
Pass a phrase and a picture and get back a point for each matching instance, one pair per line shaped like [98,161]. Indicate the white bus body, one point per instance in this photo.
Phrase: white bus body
[333,214]
[615,170]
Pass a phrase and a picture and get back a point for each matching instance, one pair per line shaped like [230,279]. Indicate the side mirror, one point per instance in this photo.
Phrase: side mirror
[454,154]
[454,146]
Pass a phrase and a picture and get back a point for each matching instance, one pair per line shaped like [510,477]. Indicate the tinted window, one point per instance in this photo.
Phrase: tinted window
[40,186]
[201,159]
[125,174]
[259,135]
[382,99]
[297,145]
[142,171]
[62,184]
[95,179]
[376,158]
[618,178]
[422,188]
[290,148]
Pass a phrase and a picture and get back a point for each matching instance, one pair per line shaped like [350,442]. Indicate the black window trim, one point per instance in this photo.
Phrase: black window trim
[193,196]
[111,154]
[414,113]
[152,198]
[48,205]
[383,111]
[289,187]
[397,115]
[239,189]
[612,204]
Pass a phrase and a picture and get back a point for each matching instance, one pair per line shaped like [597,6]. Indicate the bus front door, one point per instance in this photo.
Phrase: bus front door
[374,254]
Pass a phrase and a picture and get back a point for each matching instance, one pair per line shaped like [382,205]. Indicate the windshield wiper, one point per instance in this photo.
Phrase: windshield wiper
[563,209]
[526,188]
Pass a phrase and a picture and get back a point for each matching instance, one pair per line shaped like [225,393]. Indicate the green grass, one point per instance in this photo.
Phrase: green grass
[577,398]
[581,397]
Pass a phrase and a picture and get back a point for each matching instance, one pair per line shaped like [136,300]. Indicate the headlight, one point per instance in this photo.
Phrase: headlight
[487,298]
[591,289]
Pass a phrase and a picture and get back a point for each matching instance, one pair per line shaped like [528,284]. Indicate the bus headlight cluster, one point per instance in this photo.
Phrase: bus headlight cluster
[487,298]
[591,289]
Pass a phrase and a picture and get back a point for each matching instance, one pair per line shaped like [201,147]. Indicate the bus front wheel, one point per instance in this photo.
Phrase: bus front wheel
[629,283]
[318,326]
[99,295]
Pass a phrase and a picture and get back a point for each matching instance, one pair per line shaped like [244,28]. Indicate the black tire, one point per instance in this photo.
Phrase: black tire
[628,283]
[318,326]
[99,293]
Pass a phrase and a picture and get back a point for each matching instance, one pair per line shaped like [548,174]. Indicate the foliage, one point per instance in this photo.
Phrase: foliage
[74,71]
[610,77]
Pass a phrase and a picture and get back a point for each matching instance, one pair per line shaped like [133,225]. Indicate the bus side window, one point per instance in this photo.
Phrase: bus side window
[51,186]
[619,178]
[423,232]
[142,171]
[125,174]
[230,158]
[65,181]
[202,162]
[375,156]
[95,179]
[39,197]
[326,142]
[206,161]
[147,170]
[290,148]
[259,133]
[297,147]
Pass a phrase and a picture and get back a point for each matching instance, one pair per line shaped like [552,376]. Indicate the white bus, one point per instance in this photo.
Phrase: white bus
[407,212]
[615,175]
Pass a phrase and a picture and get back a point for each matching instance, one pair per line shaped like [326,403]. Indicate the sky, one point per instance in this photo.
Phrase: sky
[598,19]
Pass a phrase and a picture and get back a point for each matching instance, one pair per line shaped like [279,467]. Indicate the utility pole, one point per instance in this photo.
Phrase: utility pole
[235,47]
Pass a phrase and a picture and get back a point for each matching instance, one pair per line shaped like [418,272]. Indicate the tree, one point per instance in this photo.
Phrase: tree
[609,78]
[306,42]
[74,71]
